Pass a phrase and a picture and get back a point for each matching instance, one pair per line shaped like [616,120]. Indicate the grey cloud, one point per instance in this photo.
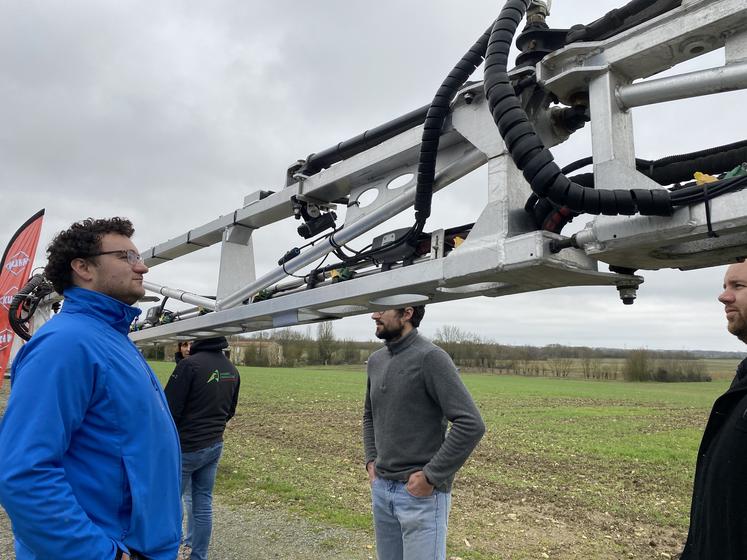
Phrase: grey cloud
[170,113]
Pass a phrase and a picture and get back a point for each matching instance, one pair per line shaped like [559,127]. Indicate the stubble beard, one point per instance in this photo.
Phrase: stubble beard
[389,333]
[127,296]
[738,328]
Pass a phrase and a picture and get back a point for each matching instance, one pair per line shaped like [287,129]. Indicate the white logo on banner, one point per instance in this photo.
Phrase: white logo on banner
[7,297]
[6,337]
[17,263]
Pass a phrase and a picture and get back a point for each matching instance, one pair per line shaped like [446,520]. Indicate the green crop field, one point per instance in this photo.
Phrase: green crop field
[568,469]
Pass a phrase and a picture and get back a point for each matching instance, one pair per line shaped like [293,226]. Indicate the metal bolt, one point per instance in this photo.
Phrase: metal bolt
[627,294]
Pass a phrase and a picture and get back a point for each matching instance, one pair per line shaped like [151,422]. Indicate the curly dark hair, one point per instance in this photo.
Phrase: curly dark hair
[80,240]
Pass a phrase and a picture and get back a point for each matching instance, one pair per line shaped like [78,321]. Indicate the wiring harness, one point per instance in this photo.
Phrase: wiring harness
[23,305]
[665,171]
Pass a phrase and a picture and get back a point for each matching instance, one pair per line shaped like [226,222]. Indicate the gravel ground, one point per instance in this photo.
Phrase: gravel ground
[260,534]
[6,537]
[252,533]
[266,534]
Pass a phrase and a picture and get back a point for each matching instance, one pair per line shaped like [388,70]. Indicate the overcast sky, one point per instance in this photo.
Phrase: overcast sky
[170,112]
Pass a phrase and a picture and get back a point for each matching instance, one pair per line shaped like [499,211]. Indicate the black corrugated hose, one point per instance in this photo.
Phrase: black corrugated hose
[526,148]
[535,160]
[31,294]
[434,122]
[665,171]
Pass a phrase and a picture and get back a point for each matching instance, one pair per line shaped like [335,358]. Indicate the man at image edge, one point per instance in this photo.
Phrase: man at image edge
[718,514]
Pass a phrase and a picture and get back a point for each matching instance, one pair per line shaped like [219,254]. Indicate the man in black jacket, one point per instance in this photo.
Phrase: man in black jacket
[202,394]
[718,515]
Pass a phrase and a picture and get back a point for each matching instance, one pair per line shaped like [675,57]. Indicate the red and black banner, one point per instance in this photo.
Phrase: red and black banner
[17,263]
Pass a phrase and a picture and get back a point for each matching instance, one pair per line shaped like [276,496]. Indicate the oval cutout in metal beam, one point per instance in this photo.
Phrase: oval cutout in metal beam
[400,300]
[367,197]
[400,181]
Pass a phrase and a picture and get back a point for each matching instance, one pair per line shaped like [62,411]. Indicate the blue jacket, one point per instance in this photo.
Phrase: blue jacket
[89,454]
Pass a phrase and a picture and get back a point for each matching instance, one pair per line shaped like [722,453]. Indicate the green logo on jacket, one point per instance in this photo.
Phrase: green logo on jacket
[221,376]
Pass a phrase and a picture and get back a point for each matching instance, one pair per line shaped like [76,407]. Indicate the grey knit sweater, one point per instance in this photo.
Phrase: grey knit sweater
[413,392]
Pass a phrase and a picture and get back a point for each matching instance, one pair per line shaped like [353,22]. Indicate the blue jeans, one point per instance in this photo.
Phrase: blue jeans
[187,494]
[408,527]
[199,468]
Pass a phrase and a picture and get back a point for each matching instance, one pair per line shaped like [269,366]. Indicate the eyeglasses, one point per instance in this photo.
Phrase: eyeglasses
[132,257]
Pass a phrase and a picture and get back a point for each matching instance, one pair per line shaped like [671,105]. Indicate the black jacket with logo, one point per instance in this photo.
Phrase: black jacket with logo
[718,515]
[202,394]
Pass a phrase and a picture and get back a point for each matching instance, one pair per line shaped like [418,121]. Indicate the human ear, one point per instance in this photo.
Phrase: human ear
[81,270]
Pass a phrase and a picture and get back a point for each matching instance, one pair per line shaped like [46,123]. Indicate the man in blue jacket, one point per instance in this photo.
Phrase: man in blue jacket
[89,454]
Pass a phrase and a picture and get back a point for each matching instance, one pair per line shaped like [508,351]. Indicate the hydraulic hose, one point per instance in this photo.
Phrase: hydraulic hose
[680,167]
[675,169]
[665,171]
[364,141]
[527,150]
[33,291]
[620,19]
[434,122]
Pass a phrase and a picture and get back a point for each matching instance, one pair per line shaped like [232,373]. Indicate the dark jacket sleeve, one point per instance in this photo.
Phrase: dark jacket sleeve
[177,389]
[235,402]
[467,427]
[369,443]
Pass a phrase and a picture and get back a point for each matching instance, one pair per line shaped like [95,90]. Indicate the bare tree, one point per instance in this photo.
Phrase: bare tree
[325,338]
[587,363]
[637,366]
[450,334]
[559,366]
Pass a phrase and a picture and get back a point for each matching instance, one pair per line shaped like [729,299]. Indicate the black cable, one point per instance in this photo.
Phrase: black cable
[291,274]
[371,254]
[707,203]
[434,121]
[694,194]
[665,171]
[576,165]
[620,19]
[680,167]
[679,158]
[315,270]
[25,302]
[364,141]
[338,247]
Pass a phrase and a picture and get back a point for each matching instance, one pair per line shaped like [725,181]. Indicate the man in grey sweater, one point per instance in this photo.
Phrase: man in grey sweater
[413,392]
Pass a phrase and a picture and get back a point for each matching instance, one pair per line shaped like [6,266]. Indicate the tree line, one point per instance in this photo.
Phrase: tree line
[318,345]
[469,350]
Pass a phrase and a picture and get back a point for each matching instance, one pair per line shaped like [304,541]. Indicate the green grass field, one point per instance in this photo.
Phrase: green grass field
[568,468]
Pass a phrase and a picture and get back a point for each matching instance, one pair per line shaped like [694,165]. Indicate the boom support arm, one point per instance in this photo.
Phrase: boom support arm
[503,252]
